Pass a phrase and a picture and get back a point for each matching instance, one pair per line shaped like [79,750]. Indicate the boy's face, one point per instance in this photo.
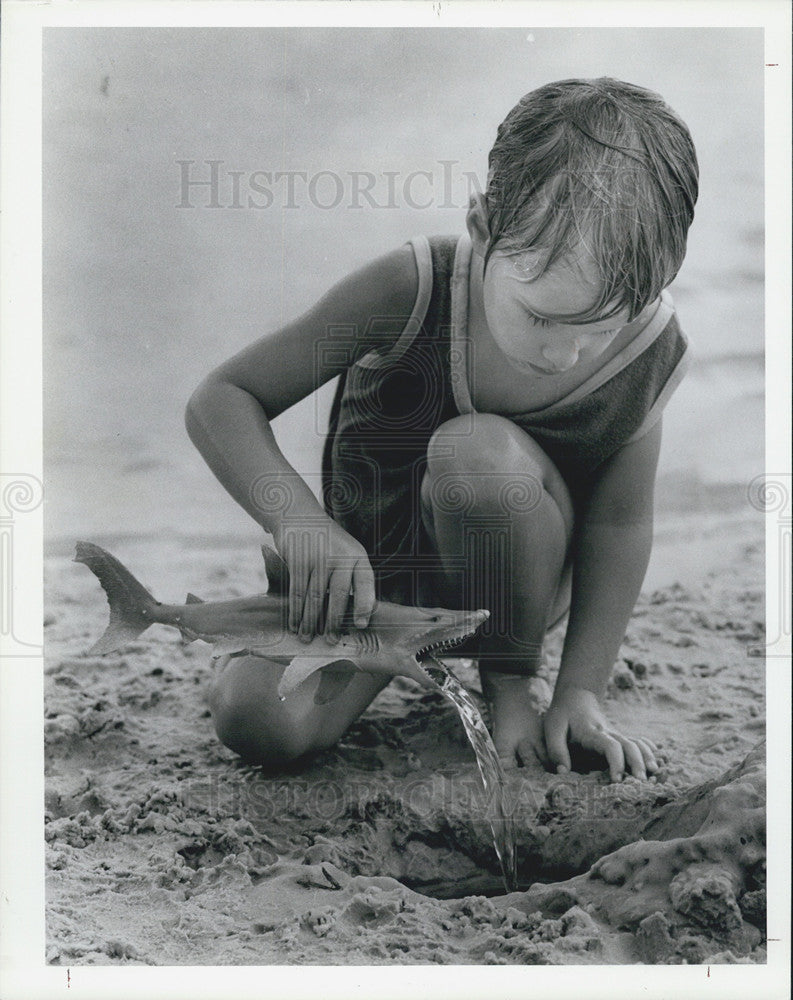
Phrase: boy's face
[535,319]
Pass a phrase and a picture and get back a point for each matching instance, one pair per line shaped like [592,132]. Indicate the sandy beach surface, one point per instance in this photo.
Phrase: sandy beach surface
[163,848]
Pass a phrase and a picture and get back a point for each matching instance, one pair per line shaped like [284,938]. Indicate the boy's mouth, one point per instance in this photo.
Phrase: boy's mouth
[537,369]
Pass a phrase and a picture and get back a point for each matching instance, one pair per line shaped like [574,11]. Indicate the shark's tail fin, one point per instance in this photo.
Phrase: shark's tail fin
[132,608]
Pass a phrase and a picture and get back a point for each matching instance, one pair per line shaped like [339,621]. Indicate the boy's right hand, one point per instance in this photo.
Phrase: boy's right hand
[322,559]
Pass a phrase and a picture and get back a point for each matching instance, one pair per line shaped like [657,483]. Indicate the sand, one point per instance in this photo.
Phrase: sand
[163,848]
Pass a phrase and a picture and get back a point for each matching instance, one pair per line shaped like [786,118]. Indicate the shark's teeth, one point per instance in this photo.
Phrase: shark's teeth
[444,644]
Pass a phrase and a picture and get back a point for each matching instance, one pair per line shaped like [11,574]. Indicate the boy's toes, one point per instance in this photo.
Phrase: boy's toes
[528,753]
[506,754]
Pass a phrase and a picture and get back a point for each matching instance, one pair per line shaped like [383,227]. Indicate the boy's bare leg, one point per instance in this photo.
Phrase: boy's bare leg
[250,718]
[496,504]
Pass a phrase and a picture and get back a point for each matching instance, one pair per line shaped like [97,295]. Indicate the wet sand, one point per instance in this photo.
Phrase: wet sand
[163,848]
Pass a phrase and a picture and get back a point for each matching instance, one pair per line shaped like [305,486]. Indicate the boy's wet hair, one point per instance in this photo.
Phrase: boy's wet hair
[601,163]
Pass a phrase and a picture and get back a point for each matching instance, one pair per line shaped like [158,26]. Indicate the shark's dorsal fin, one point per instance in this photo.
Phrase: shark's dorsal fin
[192,599]
[277,572]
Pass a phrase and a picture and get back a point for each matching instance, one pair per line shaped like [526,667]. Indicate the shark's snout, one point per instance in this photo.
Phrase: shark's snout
[452,629]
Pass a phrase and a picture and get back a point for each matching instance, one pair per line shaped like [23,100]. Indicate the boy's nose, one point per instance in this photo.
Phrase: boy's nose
[561,357]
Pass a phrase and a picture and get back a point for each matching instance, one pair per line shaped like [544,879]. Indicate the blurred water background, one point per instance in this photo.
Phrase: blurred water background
[144,295]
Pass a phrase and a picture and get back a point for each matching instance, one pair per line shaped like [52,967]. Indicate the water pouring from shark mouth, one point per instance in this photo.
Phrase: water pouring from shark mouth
[400,641]
[492,773]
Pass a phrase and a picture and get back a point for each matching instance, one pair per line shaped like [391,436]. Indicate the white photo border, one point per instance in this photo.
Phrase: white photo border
[24,973]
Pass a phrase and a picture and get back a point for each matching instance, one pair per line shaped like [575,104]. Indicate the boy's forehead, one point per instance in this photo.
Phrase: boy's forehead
[570,286]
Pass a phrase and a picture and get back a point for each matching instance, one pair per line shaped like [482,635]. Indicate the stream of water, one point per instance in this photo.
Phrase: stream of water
[490,769]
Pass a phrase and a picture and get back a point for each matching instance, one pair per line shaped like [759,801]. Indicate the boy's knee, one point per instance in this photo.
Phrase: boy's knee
[245,731]
[497,462]
[487,459]
[483,441]
[234,730]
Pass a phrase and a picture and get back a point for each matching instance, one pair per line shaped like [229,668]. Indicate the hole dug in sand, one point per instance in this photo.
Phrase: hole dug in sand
[660,881]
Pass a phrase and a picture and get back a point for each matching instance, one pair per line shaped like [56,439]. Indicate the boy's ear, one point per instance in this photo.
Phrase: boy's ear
[477,224]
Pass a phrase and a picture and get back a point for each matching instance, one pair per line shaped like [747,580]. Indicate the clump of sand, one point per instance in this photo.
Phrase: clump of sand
[164,848]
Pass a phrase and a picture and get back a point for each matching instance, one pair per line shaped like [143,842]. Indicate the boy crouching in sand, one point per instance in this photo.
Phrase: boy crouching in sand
[495,432]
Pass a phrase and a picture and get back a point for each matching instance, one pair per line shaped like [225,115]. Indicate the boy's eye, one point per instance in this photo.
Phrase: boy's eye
[542,322]
[539,320]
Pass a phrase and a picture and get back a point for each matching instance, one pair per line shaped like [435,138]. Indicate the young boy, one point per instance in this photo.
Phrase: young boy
[494,436]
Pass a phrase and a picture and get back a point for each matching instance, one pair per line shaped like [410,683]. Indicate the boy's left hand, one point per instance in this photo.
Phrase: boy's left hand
[575,715]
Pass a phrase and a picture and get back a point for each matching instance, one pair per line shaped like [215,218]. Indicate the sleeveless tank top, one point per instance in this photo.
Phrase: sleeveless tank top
[388,404]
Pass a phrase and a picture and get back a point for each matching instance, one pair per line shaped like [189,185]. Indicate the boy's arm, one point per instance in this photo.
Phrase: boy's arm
[612,547]
[228,416]
[228,419]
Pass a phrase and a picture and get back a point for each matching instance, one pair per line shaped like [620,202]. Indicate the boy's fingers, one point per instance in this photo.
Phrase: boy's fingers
[633,757]
[612,751]
[314,557]
[338,596]
[529,752]
[649,757]
[312,608]
[298,582]
[556,744]
[295,605]
[302,628]
[363,593]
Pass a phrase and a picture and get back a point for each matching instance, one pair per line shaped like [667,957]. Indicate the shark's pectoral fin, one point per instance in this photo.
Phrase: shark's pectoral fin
[302,667]
[332,681]
[228,647]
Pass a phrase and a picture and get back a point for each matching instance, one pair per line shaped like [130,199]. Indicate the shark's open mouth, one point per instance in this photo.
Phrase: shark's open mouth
[440,647]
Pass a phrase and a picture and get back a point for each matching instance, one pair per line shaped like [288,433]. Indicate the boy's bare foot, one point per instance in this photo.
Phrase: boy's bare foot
[517,705]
